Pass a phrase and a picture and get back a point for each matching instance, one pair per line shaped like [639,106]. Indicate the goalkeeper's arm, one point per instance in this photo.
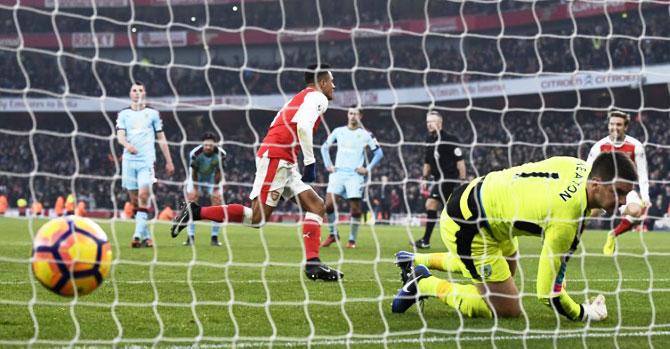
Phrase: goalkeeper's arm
[559,243]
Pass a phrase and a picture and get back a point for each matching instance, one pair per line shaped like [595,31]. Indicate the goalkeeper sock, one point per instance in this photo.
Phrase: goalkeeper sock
[624,226]
[191,230]
[233,213]
[311,234]
[141,231]
[215,229]
[438,261]
[431,218]
[355,224]
[332,223]
[464,298]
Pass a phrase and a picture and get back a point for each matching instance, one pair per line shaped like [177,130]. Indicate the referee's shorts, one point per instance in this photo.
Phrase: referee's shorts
[465,232]
[442,191]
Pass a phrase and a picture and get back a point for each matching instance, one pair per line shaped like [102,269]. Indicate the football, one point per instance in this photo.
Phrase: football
[71,256]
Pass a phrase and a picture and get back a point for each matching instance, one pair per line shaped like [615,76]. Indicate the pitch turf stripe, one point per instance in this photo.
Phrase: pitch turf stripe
[285,281]
[254,342]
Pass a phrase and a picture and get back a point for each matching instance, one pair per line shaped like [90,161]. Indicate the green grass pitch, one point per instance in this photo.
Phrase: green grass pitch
[218,298]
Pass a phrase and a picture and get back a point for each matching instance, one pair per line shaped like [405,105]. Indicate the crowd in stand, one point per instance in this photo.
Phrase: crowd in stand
[78,153]
[262,14]
[54,165]
[592,43]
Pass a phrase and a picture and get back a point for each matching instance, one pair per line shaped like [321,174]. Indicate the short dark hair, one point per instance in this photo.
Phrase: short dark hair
[316,72]
[613,164]
[138,83]
[208,135]
[615,113]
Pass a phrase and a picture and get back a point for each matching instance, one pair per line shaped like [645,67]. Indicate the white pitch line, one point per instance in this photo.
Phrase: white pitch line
[370,341]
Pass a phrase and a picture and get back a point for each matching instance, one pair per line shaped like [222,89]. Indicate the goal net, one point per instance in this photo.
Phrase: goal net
[515,81]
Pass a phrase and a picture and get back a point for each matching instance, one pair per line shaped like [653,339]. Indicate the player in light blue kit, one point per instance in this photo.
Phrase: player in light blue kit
[137,129]
[347,177]
[205,175]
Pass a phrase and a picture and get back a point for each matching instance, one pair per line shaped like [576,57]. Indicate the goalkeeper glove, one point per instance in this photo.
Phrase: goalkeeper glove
[309,173]
[595,310]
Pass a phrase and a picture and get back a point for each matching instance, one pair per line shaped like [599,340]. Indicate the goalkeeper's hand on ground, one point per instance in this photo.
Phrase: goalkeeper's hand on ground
[309,173]
[596,310]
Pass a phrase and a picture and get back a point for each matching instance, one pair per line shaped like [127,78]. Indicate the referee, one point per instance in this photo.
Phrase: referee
[443,168]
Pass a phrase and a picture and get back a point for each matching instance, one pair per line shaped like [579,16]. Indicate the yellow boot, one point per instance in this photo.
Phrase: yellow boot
[610,245]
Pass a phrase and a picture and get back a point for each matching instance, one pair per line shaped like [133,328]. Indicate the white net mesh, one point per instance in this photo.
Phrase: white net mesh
[517,81]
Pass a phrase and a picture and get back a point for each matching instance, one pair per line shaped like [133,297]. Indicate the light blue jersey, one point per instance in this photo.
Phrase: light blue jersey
[141,127]
[137,170]
[345,181]
[350,148]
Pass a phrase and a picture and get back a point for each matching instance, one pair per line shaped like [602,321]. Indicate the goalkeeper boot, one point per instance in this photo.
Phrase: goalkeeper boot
[190,211]
[190,240]
[610,245]
[136,243]
[409,293]
[331,239]
[316,270]
[215,241]
[404,261]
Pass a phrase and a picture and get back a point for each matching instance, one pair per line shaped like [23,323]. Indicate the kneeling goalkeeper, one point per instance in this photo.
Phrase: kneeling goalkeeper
[549,199]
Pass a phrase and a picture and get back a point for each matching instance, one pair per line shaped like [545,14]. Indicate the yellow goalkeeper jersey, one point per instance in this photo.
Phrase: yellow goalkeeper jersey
[546,199]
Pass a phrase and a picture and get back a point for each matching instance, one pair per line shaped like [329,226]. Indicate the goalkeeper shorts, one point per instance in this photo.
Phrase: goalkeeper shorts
[464,231]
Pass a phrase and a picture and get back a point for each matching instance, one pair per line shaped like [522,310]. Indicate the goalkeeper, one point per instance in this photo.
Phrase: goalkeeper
[549,199]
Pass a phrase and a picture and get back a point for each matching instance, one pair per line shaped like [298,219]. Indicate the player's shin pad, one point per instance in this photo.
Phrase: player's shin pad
[464,298]
[438,261]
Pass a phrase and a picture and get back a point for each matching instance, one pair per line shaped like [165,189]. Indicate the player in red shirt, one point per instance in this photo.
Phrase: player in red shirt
[635,209]
[277,173]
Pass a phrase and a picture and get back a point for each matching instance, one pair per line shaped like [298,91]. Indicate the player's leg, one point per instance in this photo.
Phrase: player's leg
[483,260]
[314,208]
[145,179]
[488,263]
[444,261]
[494,292]
[216,199]
[432,206]
[632,214]
[355,205]
[137,236]
[355,185]
[510,252]
[480,300]
[132,197]
[333,237]
[263,191]
[192,195]
[334,190]
[129,182]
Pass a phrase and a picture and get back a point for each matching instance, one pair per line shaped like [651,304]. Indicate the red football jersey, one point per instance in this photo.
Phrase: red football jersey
[635,150]
[302,111]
